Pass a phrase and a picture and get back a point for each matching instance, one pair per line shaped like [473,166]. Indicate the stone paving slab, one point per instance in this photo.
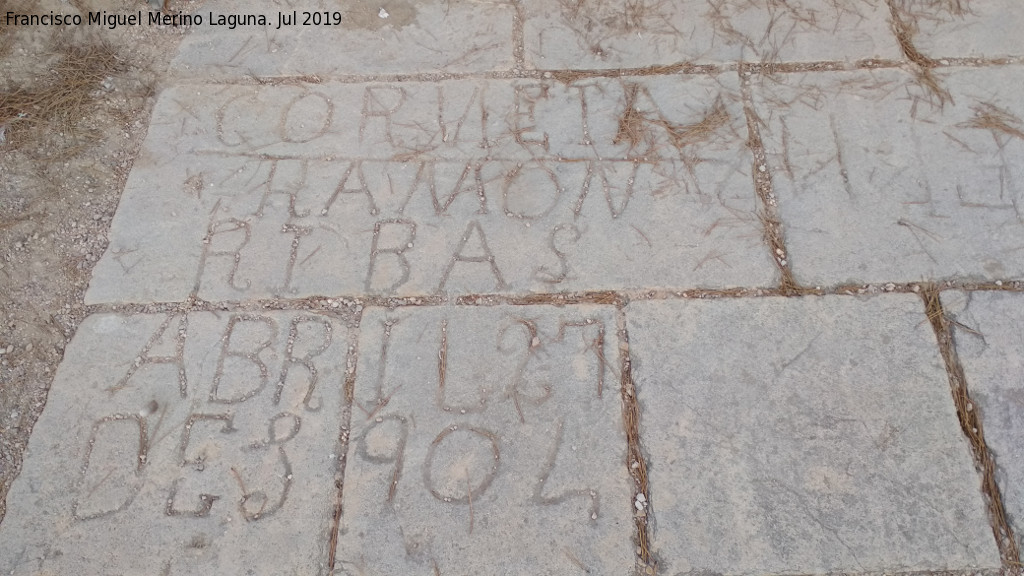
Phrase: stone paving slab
[422,188]
[881,180]
[952,28]
[990,344]
[407,36]
[640,33]
[453,148]
[810,435]
[487,440]
[171,446]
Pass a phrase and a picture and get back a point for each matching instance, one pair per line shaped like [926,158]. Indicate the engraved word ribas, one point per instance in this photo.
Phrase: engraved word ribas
[418,186]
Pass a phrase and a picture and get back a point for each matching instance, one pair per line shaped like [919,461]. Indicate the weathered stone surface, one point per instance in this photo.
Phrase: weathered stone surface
[880,179]
[453,148]
[452,187]
[990,344]
[206,446]
[487,441]
[805,435]
[640,33]
[954,28]
[407,36]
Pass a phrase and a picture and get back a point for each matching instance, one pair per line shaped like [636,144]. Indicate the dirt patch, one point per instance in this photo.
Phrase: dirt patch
[64,98]
[74,106]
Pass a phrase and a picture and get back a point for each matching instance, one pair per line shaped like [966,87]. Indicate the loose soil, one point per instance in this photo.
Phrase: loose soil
[74,108]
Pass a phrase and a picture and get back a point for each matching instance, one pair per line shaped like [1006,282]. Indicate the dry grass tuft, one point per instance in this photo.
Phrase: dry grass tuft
[926,78]
[683,135]
[905,30]
[996,120]
[904,26]
[632,123]
[63,99]
[635,126]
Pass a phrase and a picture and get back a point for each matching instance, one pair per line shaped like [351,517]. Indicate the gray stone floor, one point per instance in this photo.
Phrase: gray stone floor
[556,287]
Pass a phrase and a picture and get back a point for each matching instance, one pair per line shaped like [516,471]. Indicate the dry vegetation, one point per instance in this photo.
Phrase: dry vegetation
[73,108]
[634,127]
[905,16]
[1000,122]
[62,99]
[5,37]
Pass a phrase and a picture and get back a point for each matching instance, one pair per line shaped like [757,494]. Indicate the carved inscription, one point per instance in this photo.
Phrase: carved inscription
[177,359]
[200,423]
[494,414]
[472,186]
[115,460]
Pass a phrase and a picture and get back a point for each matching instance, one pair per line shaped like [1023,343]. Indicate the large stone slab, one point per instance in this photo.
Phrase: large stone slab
[957,28]
[428,188]
[639,33]
[880,179]
[328,37]
[206,445]
[487,441]
[811,435]
[990,343]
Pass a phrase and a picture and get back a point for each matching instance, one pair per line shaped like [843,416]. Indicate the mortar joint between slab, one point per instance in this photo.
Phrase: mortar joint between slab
[904,28]
[344,436]
[345,307]
[518,36]
[636,461]
[686,68]
[971,424]
[773,235]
